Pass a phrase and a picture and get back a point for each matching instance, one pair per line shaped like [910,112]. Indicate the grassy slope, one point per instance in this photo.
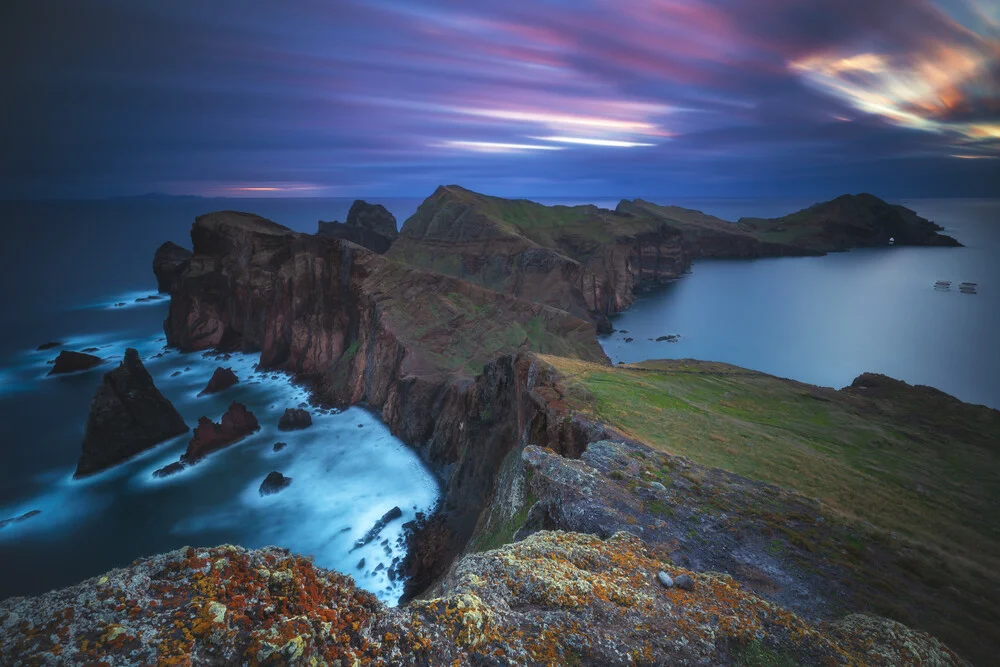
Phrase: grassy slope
[933,478]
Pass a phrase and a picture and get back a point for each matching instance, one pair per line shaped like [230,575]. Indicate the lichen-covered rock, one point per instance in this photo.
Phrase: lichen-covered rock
[553,599]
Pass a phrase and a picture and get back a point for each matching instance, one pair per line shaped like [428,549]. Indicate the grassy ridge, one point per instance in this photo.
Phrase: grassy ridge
[904,463]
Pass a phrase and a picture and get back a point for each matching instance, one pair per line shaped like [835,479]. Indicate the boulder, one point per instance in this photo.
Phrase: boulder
[71,362]
[278,446]
[169,263]
[273,483]
[237,423]
[294,419]
[128,415]
[222,378]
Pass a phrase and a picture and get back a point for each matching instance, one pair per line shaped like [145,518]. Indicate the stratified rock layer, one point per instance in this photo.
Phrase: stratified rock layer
[553,599]
[128,415]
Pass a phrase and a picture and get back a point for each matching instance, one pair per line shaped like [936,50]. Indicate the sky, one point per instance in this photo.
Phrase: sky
[584,98]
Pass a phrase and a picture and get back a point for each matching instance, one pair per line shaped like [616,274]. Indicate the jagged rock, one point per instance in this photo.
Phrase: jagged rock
[369,225]
[555,598]
[18,519]
[71,362]
[237,423]
[278,446]
[222,378]
[294,419]
[169,264]
[170,469]
[48,346]
[273,483]
[128,415]
[391,515]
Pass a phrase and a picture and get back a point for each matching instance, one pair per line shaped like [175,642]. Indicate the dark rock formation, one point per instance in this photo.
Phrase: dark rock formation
[294,419]
[278,446]
[18,519]
[222,379]
[169,264]
[169,469]
[850,221]
[48,346]
[273,483]
[237,423]
[369,225]
[71,362]
[128,415]
[374,531]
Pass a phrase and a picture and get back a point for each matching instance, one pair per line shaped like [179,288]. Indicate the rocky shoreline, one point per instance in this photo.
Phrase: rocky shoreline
[441,336]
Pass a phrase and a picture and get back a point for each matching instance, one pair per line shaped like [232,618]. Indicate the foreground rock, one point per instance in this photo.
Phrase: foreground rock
[128,415]
[553,599]
[369,225]
[236,424]
[222,379]
[294,419]
[169,263]
[273,483]
[72,362]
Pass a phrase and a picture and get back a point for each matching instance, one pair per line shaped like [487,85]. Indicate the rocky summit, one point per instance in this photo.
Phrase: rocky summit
[663,512]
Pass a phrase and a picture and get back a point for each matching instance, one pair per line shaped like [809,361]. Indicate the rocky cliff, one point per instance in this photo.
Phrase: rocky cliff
[583,259]
[369,225]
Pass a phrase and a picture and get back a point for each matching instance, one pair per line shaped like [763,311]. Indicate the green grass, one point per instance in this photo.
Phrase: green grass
[929,471]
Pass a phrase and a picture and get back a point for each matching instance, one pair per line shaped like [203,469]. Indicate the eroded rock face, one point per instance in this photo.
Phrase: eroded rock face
[169,263]
[128,415]
[222,379]
[371,226]
[236,424]
[69,361]
[555,598]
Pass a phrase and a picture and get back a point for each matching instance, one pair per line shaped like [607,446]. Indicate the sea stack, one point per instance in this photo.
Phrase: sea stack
[128,415]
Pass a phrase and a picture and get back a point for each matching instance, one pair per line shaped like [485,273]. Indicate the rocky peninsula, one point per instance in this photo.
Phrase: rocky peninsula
[807,525]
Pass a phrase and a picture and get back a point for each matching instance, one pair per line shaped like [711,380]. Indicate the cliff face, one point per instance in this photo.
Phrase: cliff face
[582,259]
[418,347]
[369,225]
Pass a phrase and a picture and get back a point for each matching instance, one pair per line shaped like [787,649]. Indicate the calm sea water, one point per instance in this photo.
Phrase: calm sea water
[825,320]
[65,264]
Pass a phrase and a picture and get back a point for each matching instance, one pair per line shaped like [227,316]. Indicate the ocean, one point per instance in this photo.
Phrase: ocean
[67,263]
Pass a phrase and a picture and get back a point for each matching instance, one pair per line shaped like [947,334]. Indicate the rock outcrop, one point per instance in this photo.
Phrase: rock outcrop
[273,483]
[69,361]
[237,423]
[294,419]
[371,226]
[553,599]
[128,415]
[222,379]
[169,263]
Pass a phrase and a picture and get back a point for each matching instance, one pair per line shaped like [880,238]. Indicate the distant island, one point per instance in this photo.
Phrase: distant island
[651,513]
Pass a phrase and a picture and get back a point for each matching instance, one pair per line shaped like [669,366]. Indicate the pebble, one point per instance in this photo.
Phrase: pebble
[685,582]
[665,579]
